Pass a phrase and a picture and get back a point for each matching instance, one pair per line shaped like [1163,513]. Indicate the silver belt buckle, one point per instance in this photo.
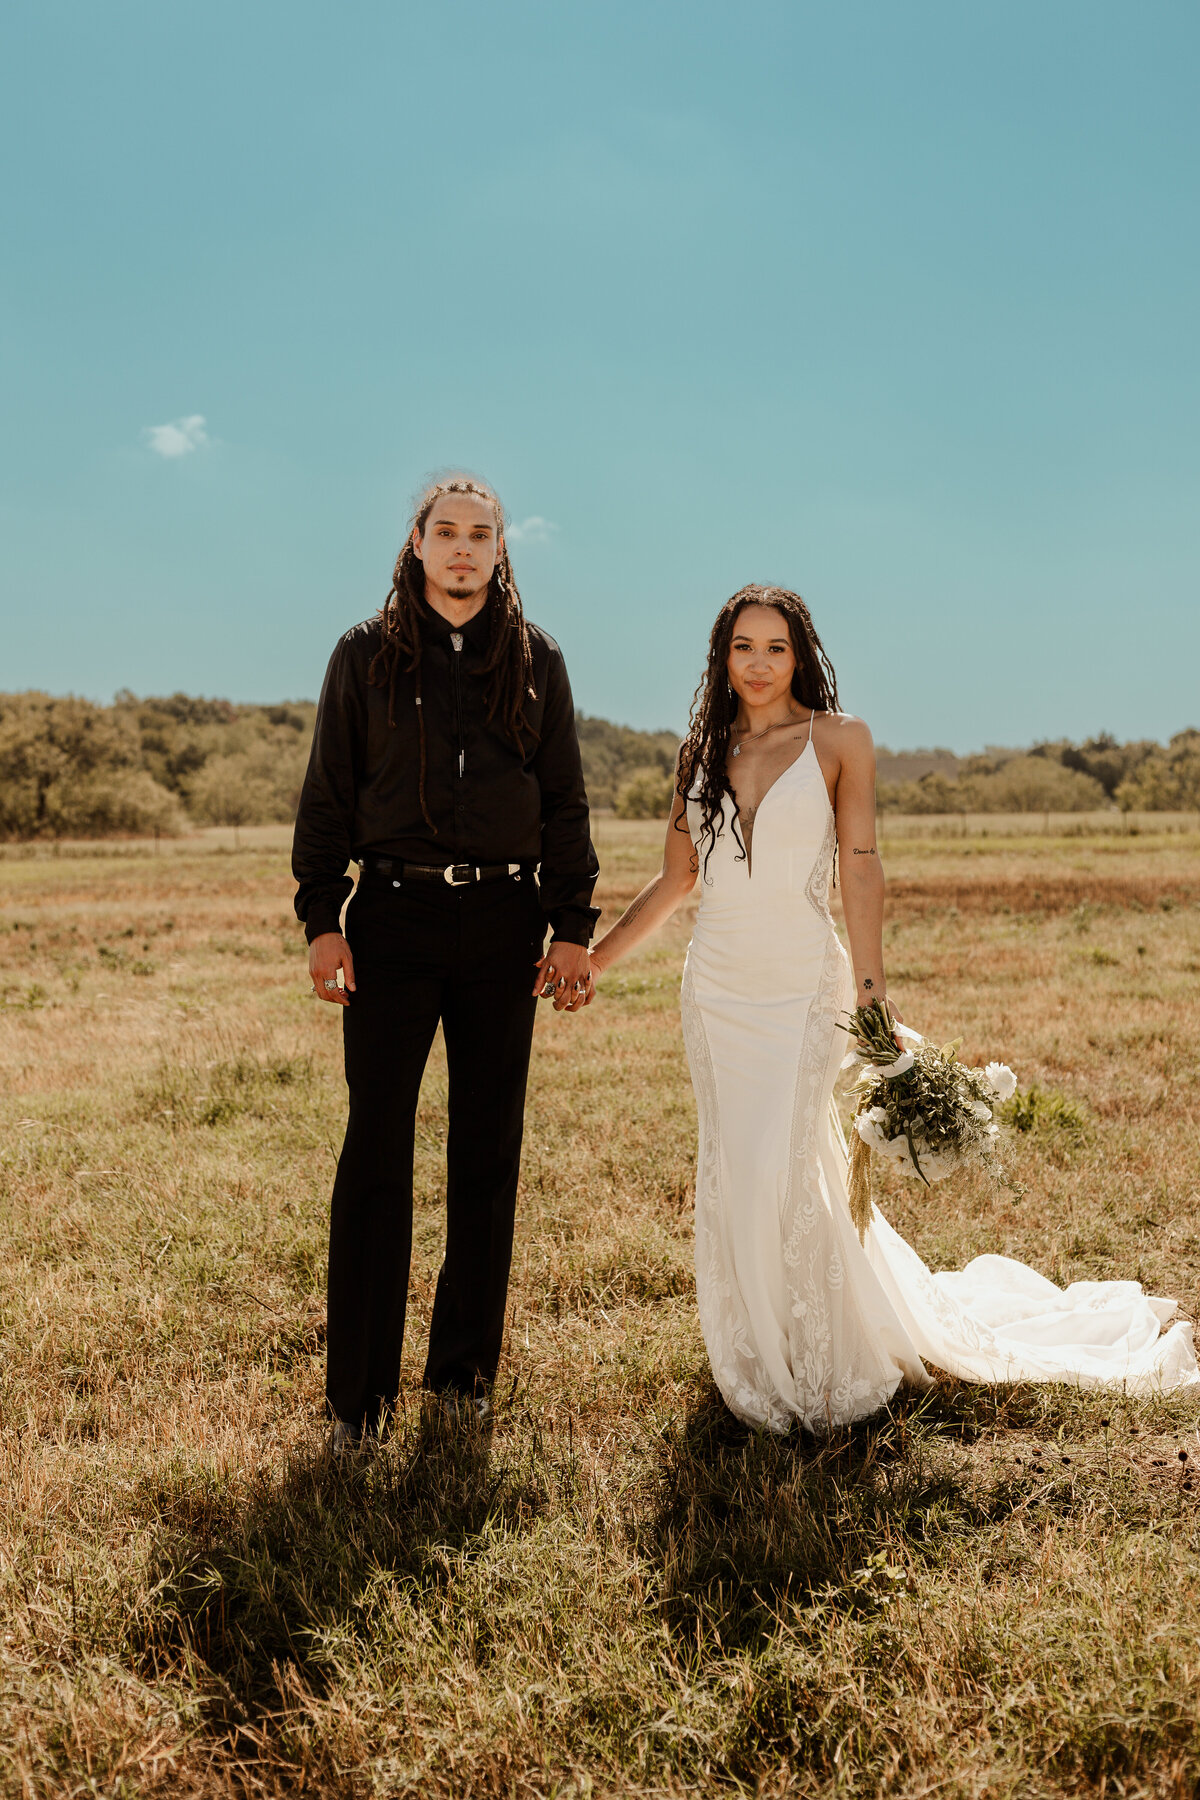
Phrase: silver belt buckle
[452,878]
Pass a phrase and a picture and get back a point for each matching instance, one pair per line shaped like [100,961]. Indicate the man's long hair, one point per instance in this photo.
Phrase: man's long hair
[704,753]
[509,657]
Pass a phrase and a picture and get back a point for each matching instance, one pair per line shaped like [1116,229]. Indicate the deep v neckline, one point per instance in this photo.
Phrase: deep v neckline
[748,840]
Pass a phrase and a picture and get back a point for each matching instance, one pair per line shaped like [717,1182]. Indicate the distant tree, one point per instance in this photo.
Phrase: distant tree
[256,786]
[115,803]
[932,793]
[988,784]
[67,768]
[1034,784]
[1104,759]
[646,795]
[1165,780]
[614,754]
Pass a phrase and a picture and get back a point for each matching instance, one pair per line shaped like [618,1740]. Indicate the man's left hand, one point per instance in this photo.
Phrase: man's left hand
[565,976]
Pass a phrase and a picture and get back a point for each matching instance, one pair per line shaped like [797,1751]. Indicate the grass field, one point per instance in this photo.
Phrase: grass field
[983,1592]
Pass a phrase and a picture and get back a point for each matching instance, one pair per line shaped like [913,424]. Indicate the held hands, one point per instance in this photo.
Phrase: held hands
[564,973]
[326,955]
[565,976]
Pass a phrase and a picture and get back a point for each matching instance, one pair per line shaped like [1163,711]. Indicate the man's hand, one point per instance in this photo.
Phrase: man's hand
[326,955]
[565,976]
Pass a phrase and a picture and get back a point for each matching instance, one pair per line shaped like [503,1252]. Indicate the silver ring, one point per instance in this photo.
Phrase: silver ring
[331,984]
[547,991]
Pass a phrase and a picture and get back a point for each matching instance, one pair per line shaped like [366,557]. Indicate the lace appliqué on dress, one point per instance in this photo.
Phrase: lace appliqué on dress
[831,1387]
[726,1337]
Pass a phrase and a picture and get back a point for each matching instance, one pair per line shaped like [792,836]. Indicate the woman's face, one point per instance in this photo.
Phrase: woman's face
[761,659]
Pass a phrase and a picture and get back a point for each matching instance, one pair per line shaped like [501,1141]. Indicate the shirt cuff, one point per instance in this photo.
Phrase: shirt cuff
[322,917]
[574,924]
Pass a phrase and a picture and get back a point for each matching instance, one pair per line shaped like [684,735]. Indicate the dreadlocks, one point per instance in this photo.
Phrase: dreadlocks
[705,750]
[509,659]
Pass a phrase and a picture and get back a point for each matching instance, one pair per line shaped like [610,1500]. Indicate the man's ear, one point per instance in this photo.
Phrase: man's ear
[416,543]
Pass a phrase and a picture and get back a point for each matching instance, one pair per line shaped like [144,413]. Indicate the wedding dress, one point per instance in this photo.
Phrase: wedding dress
[801,1320]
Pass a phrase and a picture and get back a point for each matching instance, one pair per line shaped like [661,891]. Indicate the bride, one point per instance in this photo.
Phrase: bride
[801,1320]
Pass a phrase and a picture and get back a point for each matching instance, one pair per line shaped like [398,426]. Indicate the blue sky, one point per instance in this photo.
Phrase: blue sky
[893,304]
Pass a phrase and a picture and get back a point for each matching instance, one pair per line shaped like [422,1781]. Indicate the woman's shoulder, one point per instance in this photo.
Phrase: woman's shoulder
[846,737]
[845,730]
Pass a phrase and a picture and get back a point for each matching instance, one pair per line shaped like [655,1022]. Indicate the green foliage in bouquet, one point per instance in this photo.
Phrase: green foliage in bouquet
[918,1106]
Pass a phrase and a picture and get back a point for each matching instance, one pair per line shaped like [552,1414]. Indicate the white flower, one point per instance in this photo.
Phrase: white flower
[1001,1080]
[901,1066]
[871,1127]
[980,1108]
[935,1164]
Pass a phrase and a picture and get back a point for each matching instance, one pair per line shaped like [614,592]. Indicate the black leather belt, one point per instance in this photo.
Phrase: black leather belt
[453,874]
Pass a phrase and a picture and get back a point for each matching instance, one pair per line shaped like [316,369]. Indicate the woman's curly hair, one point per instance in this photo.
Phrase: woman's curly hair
[509,658]
[704,753]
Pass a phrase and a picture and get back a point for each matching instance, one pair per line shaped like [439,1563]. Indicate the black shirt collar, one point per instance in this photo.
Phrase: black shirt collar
[438,630]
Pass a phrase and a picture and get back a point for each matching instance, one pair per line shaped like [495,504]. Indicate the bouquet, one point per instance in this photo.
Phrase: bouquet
[920,1107]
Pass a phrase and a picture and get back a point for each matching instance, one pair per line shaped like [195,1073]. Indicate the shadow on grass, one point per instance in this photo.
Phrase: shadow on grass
[749,1525]
[248,1588]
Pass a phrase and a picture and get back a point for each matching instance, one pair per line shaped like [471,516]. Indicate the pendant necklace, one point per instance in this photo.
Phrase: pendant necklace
[737,748]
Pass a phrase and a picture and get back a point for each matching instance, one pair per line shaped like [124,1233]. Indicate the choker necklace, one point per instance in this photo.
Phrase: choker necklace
[737,748]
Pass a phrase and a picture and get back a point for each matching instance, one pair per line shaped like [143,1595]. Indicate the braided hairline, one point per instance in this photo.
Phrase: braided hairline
[509,656]
[704,754]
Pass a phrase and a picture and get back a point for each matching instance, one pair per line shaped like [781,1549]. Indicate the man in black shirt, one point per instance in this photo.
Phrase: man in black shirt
[445,763]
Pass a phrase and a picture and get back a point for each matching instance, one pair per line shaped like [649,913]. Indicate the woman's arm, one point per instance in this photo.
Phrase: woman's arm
[658,899]
[858,859]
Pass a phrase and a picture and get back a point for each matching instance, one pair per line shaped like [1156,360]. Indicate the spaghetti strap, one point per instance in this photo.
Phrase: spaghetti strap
[812,713]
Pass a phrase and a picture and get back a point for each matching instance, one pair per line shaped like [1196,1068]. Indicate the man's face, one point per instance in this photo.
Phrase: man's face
[459,545]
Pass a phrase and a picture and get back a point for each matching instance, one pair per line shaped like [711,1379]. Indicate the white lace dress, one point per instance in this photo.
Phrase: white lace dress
[802,1321]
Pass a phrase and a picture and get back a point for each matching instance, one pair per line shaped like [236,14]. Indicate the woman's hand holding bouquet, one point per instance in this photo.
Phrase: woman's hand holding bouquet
[918,1106]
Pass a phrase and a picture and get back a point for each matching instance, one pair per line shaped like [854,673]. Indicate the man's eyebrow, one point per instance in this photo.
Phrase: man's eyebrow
[478,525]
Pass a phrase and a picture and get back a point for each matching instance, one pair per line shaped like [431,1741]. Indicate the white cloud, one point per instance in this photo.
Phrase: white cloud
[179,438]
[534,530]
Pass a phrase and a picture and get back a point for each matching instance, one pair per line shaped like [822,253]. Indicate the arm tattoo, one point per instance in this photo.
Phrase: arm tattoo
[868,983]
[870,852]
[633,909]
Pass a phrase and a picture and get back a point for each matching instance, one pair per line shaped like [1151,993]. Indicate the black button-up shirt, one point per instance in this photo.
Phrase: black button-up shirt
[491,801]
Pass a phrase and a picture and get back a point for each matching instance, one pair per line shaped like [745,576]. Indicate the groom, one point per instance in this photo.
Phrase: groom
[446,764]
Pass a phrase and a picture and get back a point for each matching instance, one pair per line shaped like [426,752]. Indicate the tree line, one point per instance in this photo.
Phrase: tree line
[162,765]
[1142,776]
[72,768]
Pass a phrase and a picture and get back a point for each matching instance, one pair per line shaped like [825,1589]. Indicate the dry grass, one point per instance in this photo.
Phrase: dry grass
[981,1593]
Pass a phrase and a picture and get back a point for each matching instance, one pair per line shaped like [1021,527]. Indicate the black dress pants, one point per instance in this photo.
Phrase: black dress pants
[424,952]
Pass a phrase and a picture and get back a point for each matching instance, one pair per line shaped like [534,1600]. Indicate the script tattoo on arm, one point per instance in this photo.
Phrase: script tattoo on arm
[870,852]
[633,909]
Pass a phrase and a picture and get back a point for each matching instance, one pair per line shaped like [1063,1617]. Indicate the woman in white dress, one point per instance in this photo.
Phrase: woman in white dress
[801,1320]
